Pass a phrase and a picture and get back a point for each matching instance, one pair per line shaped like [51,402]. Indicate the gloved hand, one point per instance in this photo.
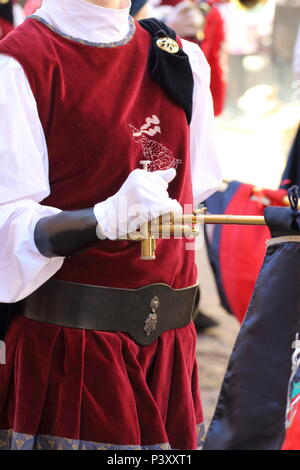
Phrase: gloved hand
[142,197]
[185,18]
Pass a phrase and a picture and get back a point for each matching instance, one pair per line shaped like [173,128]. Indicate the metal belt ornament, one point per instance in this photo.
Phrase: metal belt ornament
[152,319]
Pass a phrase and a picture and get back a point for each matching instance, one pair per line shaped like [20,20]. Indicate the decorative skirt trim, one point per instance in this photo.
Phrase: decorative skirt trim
[10,440]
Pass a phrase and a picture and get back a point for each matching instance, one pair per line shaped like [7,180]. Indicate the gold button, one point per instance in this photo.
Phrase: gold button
[168,45]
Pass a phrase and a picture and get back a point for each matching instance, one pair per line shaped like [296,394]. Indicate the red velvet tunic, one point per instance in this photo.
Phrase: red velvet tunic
[92,122]
[101,114]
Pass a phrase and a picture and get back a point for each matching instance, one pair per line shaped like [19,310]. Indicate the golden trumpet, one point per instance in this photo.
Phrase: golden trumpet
[182,225]
[185,225]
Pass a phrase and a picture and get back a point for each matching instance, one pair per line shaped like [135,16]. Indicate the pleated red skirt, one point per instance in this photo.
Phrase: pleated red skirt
[64,388]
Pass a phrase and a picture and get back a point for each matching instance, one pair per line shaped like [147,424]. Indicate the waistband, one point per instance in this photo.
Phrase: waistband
[143,313]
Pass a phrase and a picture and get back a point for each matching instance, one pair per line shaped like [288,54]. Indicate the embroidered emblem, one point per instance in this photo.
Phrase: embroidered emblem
[151,320]
[168,45]
[160,156]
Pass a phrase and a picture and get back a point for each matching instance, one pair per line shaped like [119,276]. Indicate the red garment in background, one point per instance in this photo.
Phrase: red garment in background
[212,44]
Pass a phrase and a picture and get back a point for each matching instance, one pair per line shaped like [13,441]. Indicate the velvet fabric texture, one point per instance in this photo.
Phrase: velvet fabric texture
[114,115]
[99,387]
[213,48]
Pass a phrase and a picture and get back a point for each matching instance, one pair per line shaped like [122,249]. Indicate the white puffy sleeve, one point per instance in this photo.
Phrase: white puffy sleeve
[205,167]
[23,184]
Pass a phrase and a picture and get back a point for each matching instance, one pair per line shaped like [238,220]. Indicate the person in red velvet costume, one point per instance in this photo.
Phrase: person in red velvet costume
[101,352]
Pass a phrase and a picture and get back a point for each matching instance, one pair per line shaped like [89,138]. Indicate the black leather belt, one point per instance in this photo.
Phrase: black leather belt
[143,313]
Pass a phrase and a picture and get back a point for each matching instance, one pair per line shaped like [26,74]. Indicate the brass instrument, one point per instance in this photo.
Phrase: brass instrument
[183,225]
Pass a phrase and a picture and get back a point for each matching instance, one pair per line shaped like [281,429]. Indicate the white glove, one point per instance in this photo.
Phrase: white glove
[185,18]
[142,197]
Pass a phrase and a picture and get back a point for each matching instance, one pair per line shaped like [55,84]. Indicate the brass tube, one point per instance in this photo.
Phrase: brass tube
[148,249]
[232,219]
[220,219]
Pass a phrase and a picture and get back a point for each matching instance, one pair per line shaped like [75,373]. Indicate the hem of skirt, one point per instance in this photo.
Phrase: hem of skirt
[11,440]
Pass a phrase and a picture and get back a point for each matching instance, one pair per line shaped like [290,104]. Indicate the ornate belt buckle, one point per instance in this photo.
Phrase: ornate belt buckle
[152,319]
